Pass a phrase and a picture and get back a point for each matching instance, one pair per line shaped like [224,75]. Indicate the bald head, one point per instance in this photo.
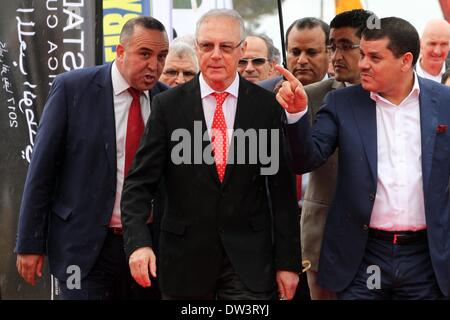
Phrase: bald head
[434,46]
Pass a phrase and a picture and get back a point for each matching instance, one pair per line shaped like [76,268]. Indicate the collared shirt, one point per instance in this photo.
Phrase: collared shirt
[122,103]
[229,106]
[422,73]
[399,202]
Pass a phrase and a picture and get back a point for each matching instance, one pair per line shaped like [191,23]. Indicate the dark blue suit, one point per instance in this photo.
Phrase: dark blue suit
[71,182]
[348,121]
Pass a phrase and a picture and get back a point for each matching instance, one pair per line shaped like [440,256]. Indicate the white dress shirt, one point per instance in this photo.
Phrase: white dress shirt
[122,103]
[229,106]
[399,202]
[422,73]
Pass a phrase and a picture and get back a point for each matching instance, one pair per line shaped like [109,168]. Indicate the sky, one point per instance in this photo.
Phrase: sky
[418,12]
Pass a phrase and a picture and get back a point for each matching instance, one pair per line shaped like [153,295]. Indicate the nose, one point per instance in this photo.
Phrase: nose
[437,50]
[363,64]
[249,68]
[216,53]
[179,79]
[302,58]
[153,63]
[336,55]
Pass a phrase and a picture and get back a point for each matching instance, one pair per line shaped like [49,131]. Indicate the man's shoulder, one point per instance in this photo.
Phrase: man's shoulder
[323,87]
[269,84]
[86,74]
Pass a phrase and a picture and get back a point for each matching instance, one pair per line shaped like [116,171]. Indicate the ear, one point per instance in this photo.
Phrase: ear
[407,60]
[271,67]
[243,48]
[120,52]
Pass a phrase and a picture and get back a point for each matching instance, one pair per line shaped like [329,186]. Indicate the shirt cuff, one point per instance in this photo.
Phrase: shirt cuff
[294,117]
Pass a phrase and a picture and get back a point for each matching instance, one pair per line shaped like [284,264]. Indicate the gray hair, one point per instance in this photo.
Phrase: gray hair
[182,49]
[271,50]
[187,38]
[223,13]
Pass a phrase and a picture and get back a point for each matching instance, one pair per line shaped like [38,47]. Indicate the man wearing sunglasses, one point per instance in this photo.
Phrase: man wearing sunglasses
[257,62]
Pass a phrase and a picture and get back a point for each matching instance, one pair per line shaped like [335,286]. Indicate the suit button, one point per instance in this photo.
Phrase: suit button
[365,227]
[372,197]
[221,230]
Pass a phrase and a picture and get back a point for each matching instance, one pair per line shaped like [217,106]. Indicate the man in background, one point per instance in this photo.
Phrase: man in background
[434,47]
[257,63]
[181,64]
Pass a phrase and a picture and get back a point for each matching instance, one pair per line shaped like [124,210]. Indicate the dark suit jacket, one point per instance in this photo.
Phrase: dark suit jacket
[70,187]
[348,120]
[203,218]
[322,183]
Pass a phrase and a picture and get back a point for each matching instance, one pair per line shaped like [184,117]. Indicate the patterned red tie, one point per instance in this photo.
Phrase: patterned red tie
[135,128]
[219,135]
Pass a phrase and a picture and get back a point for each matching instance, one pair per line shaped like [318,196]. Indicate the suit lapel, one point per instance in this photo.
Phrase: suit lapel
[105,103]
[428,122]
[364,110]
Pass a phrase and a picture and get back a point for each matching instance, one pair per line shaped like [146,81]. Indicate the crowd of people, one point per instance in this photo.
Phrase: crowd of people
[141,180]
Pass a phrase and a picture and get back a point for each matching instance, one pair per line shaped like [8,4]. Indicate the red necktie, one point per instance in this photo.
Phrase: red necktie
[219,135]
[135,128]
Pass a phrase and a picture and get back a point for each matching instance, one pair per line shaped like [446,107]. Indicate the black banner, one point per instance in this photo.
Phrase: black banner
[38,40]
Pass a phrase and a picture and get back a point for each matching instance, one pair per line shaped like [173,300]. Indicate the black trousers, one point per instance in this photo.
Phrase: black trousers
[110,278]
[405,273]
[228,287]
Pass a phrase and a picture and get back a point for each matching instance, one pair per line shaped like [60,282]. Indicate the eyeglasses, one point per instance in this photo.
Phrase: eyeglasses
[172,73]
[255,61]
[223,47]
[343,47]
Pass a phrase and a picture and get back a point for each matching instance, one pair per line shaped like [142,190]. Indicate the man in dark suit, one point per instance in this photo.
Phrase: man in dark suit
[345,34]
[386,235]
[90,129]
[219,239]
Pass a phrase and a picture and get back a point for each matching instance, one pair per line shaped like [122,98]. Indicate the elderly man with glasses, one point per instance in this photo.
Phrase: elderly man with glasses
[181,65]
[220,239]
[258,61]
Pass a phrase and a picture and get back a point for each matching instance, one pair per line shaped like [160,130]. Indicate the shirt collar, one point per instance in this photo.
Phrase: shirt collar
[414,93]
[206,90]
[119,83]
[421,71]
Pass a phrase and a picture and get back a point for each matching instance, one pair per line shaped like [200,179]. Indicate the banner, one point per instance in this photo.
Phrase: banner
[115,14]
[38,40]
[347,5]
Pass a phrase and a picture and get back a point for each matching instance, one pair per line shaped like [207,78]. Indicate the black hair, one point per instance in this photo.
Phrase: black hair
[356,19]
[309,23]
[402,35]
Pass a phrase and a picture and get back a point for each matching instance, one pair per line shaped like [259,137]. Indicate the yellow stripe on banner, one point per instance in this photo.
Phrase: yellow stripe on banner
[346,5]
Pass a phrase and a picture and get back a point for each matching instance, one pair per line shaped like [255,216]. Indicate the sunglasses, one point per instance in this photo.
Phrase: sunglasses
[255,61]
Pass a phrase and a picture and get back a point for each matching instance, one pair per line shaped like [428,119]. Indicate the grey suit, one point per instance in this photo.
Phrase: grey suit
[321,186]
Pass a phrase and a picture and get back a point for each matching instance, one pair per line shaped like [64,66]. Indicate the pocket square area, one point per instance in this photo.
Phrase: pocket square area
[441,128]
